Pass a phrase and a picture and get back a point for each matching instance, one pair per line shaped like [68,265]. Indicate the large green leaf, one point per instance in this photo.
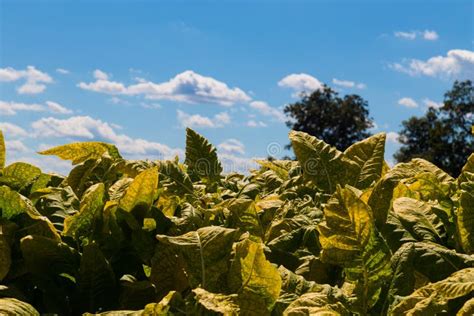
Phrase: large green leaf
[19,175]
[418,219]
[433,298]
[80,152]
[324,165]
[419,262]
[349,239]
[13,204]
[256,281]
[175,179]
[14,307]
[369,156]
[141,192]
[82,223]
[2,151]
[201,157]
[205,254]
[96,281]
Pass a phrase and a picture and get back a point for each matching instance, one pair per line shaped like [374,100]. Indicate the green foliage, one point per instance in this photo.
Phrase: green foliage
[442,135]
[334,233]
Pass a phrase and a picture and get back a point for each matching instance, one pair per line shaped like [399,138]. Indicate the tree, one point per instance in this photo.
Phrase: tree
[340,122]
[442,136]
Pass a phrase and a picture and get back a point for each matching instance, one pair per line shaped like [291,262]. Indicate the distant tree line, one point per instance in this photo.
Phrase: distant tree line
[442,135]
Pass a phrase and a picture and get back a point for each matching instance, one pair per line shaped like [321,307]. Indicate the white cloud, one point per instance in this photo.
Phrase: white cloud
[35,80]
[428,35]
[12,130]
[88,128]
[62,71]
[406,35]
[231,146]
[432,104]
[457,64]
[232,163]
[267,110]
[199,121]
[15,146]
[57,108]
[187,86]
[300,83]
[349,84]
[11,108]
[253,123]
[408,102]
[392,137]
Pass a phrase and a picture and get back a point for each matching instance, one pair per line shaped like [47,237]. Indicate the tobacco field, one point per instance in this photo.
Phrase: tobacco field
[331,233]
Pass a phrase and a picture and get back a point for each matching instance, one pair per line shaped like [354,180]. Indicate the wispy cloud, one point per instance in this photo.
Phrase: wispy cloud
[232,146]
[348,84]
[265,109]
[62,71]
[12,108]
[428,35]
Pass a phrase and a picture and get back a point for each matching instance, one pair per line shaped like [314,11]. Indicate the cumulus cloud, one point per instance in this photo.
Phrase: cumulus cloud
[300,83]
[348,84]
[199,121]
[428,35]
[12,108]
[267,110]
[187,86]
[12,130]
[35,80]
[86,127]
[15,146]
[408,102]
[253,123]
[432,104]
[457,64]
[232,146]
[392,137]
[232,163]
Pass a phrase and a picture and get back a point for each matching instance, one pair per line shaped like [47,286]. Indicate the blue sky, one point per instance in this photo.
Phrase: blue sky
[135,73]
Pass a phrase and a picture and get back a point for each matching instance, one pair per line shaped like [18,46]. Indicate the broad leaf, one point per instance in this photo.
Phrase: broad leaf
[324,165]
[254,278]
[434,297]
[5,256]
[201,157]
[80,152]
[82,223]
[205,254]
[349,239]
[19,175]
[321,303]
[141,192]
[12,306]
[218,303]
[369,156]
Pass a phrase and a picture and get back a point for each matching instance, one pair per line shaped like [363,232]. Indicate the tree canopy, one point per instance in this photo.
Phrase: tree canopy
[339,121]
[443,135]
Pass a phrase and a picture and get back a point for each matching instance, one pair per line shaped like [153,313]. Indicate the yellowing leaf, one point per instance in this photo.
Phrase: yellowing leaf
[92,203]
[369,156]
[80,152]
[322,164]
[218,303]
[253,278]
[201,157]
[142,191]
[19,175]
[349,239]
[12,306]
